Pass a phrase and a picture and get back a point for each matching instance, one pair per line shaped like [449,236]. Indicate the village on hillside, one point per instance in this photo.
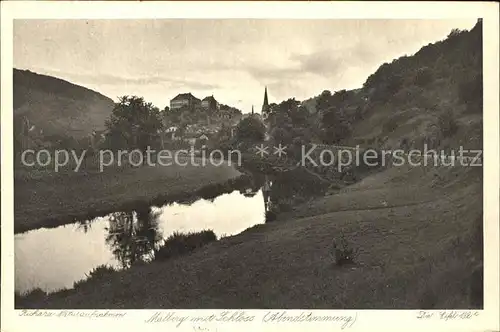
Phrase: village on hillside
[195,121]
[188,122]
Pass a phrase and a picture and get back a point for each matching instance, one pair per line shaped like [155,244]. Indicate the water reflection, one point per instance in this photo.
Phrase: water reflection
[133,236]
[281,192]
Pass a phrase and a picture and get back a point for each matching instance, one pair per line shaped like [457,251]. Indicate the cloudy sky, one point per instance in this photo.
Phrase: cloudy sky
[231,59]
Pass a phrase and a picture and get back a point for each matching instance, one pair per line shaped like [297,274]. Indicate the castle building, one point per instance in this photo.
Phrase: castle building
[209,103]
[184,100]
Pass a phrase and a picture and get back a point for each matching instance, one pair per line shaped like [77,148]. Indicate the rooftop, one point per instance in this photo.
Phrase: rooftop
[181,96]
[209,98]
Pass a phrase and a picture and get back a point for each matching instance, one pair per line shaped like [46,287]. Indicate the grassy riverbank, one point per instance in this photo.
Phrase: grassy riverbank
[48,199]
[418,236]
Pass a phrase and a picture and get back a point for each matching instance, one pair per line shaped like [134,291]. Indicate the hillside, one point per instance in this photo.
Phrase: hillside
[57,106]
[432,97]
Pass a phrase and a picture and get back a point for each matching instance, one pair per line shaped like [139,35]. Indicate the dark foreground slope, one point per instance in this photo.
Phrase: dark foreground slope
[419,247]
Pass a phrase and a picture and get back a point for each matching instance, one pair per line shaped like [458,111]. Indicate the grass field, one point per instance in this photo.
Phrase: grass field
[418,236]
[46,199]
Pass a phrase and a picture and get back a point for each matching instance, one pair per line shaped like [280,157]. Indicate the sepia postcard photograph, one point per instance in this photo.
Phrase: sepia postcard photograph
[257,163]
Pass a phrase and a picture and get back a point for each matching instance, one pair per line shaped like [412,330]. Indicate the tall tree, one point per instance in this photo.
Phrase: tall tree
[134,123]
[289,122]
[250,130]
[335,123]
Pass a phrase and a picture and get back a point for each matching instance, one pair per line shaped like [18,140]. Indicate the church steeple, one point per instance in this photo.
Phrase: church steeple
[252,109]
[265,105]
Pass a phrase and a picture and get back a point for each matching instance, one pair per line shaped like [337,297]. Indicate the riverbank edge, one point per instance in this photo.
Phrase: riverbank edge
[128,204]
[39,295]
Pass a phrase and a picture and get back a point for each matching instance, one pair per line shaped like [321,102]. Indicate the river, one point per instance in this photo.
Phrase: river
[55,258]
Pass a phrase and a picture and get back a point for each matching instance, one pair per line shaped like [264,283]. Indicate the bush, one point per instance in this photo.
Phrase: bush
[447,124]
[343,254]
[179,244]
[285,206]
[390,125]
[26,300]
[98,272]
[455,33]
[271,216]
[404,144]
[386,89]
[423,77]
[470,93]
[250,130]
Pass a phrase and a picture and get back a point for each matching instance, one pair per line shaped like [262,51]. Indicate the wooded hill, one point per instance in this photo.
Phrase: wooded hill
[433,97]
